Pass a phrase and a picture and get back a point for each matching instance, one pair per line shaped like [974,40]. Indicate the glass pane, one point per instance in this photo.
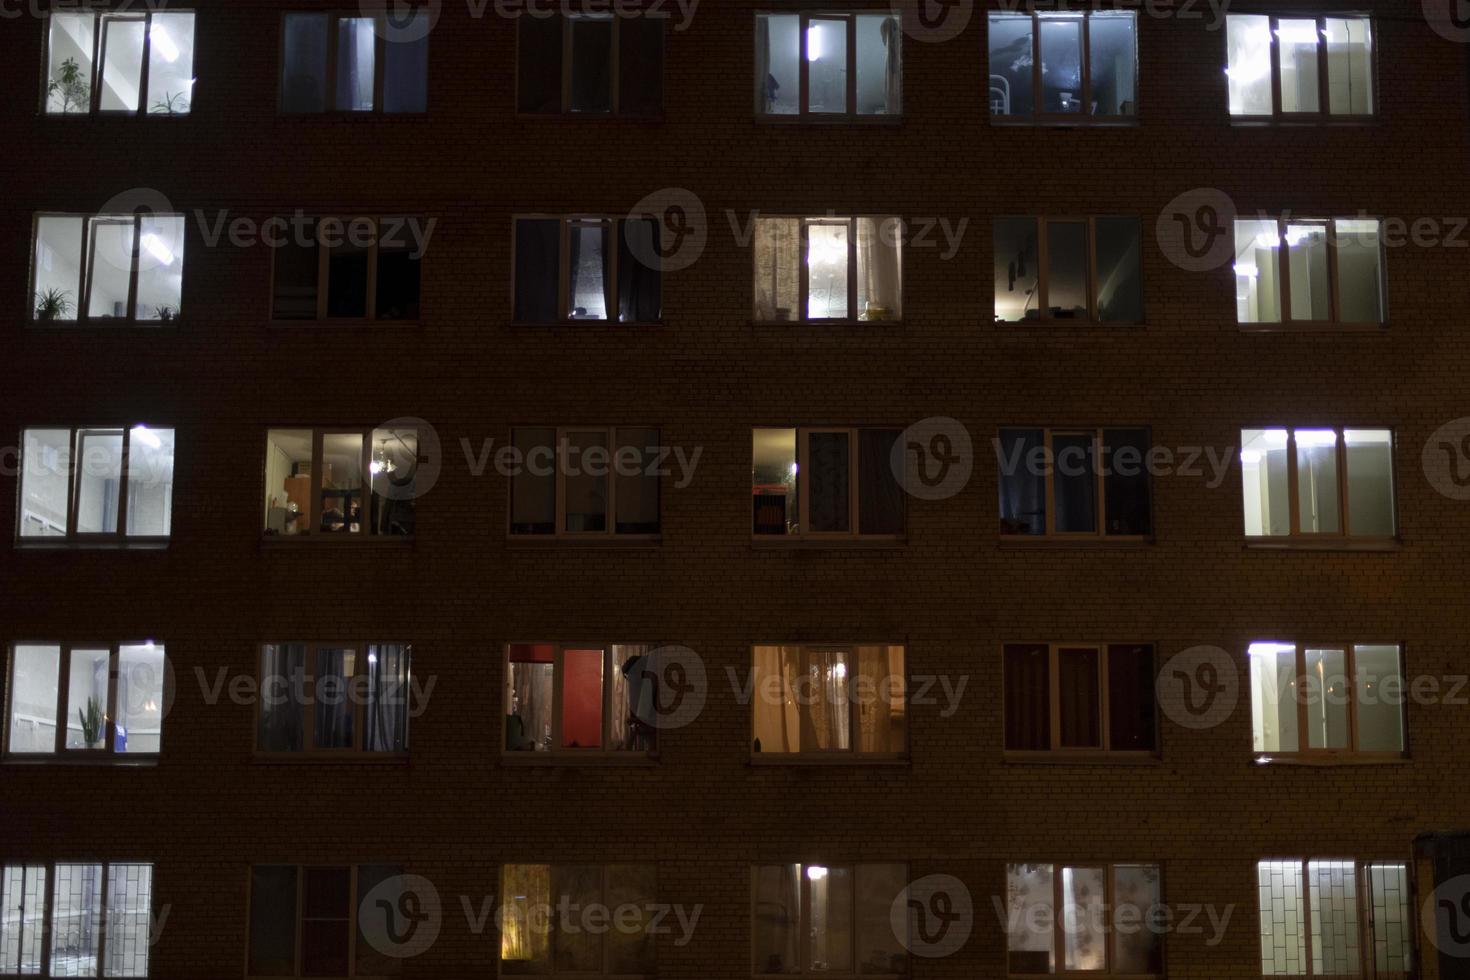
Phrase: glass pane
[533,484]
[385,713]
[1131,698]
[110,264]
[288,491]
[640,66]
[586,476]
[171,63]
[1080,697]
[1378,688]
[636,481]
[1300,81]
[1370,482]
[591,62]
[342,505]
[528,693]
[406,65]
[122,64]
[581,699]
[1126,489]
[1011,65]
[777,722]
[1066,260]
[1248,39]
[776,901]
[282,697]
[827,253]
[304,63]
[879,65]
[295,276]
[1349,66]
[33,695]
[1316,481]
[272,921]
[1306,264]
[1393,922]
[23,892]
[1074,480]
[830,927]
[828,455]
[826,56]
[1119,270]
[632,688]
[129,920]
[46,457]
[99,477]
[538,259]
[1257,271]
[375,924]
[575,949]
[334,671]
[76,914]
[150,481]
[1061,64]
[879,268]
[1022,481]
[777,269]
[1359,272]
[1084,911]
[1264,488]
[139,717]
[1113,61]
[1334,904]
[1274,726]
[631,893]
[879,887]
[640,280]
[539,61]
[1327,699]
[399,275]
[393,468]
[778,63]
[880,699]
[773,481]
[1017,270]
[1027,678]
[160,268]
[589,277]
[356,55]
[70,41]
[1137,950]
[880,494]
[326,910]
[1283,918]
[57,258]
[1031,913]
[525,941]
[347,268]
[827,699]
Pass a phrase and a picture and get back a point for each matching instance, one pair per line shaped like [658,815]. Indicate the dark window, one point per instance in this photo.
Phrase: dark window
[1079,698]
[880,495]
[1086,269]
[1104,499]
[601,279]
[369,64]
[1131,725]
[829,466]
[585,481]
[1022,482]
[1057,695]
[590,64]
[1027,697]
[372,270]
[272,921]
[296,273]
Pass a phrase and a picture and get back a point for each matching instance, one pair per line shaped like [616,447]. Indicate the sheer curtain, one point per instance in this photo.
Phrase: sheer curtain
[826,720]
[386,722]
[638,280]
[879,246]
[777,917]
[881,721]
[764,97]
[777,719]
[893,68]
[356,47]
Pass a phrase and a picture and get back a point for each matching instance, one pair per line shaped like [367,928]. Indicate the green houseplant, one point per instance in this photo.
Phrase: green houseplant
[74,88]
[52,304]
[91,719]
[172,104]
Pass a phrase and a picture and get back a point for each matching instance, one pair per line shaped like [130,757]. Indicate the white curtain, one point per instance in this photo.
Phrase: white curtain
[879,254]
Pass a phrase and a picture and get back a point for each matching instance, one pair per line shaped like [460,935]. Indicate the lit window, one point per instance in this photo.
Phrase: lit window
[1070,919]
[308,921]
[829,700]
[580,482]
[1064,67]
[1280,67]
[821,483]
[1079,697]
[349,269]
[828,65]
[828,919]
[107,269]
[1360,916]
[1086,269]
[1317,484]
[340,483]
[545,915]
[334,697]
[101,702]
[123,62]
[594,64]
[1075,483]
[351,63]
[581,699]
[101,916]
[571,269]
[1318,271]
[1326,699]
[96,486]
[828,269]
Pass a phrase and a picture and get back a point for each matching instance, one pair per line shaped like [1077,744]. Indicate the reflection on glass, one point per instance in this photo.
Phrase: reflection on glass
[1257,272]
[1328,696]
[99,475]
[1316,481]
[70,43]
[122,63]
[140,675]
[1248,39]
[171,62]
[1274,723]
[1300,82]
[45,475]
[830,927]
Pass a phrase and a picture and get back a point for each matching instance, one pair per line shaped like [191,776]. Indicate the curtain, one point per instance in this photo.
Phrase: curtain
[879,247]
[777,718]
[777,269]
[881,709]
[880,494]
[639,285]
[1130,698]
[777,918]
[634,696]
[764,98]
[538,257]
[1022,491]
[893,69]
[825,722]
[281,670]
[1079,697]
[334,714]
[386,721]
[356,46]
[1027,697]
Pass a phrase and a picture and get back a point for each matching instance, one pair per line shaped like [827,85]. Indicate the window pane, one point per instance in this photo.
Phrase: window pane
[1119,269]
[539,60]
[1327,698]
[828,249]
[1011,65]
[33,695]
[830,927]
[575,949]
[1334,898]
[1300,82]
[581,699]
[1061,59]
[326,910]
[1131,698]
[636,481]
[375,924]
[640,281]
[880,699]
[826,701]
[57,259]
[393,468]
[826,56]
[1030,909]
[879,887]
[591,63]
[777,269]
[341,506]
[1274,698]
[533,485]
[640,66]
[140,694]
[171,63]
[385,715]
[406,66]
[586,467]
[1370,482]
[632,688]
[538,257]
[1316,481]
[777,722]
[1306,264]
[1022,482]
[399,273]
[631,893]
[23,890]
[129,919]
[347,271]
[356,57]
[1257,271]
[1066,262]
[525,943]
[1113,60]
[1349,66]
[304,64]
[110,266]
[778,63]
[777,916]
[1126,482]
[334,672]
[1084,910]
[827,482]
[1378,687]
[1263,466]
[1359,272]
[528,692]
[1138,950]
[879,65]
[589,283]
[879,268]
[1080,697]
[1283,919]
[98,480]
[282,685]
[1392,919]
[150,481]
[46,455]
[288,490]
[160,267]
[880,495]
[1027,697]
[1074,480]
[1017,270]
[295,276]
[70,43]
[773,481]
[76,913]
[272,921]
[1248,38]
[122,64]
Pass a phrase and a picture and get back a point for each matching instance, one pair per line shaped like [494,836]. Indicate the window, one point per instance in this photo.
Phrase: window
[569,269]
[353,63]
[1068,269]
[1317,484]
[304,921]
[1330,271]
[842,480]
[830,920]
[119,63]
[1360,918]
[1075,483]
[828,269]
[834,701]
[348,269]
[92,701]
[96,486]
[107,269]
[587,483]
[333,698]
[1079,697]
[1279,67]
[315,481]
[101,919]
[585,699]
[544,920]
[1068,67]
[1321,700]
[592,64]
[828,66]
[1109,921]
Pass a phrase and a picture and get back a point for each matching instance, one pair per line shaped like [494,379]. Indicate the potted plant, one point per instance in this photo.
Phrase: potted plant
[165,313]
[91,719]
[52,304]
[74,89]
[172,104]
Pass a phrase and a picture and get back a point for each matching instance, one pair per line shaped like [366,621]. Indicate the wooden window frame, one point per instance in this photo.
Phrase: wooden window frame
[1367,933]
[1352,751]
[1099,441]
[1285,321]
[48,909]
[101,19]
[551,871]
[309,751]
[615,227]
[1043,269]
[299,918]
[1059,935]
[854,721]
[65,710]
[803,924]
[603,752]
[804,224]
[1055,749]
[1039,117]
[1324,114]
[563,434]
[334,18]
[854,494]
[804,113]
[86,269]
[72,536]
[1296,536]
[313,530]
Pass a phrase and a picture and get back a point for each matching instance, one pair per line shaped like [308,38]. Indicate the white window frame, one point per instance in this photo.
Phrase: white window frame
[854,715]
[1283,278]
[74,477]
[558,678]
[1098,434]
[804,258]
[353,925]
[1297,536]
[1043,269]
[382,30]
[1367,932]
[65,710]
[323,272]
[1324,114]
[615,225]
[309,751]
[86,263]
[1304,751]
[313,530]
[804,922]
[563,434]
[1054,702]
[804,113]
[1059,920]
[1083,118]
[854,490]
[100,20]
[49,907]
[554,900]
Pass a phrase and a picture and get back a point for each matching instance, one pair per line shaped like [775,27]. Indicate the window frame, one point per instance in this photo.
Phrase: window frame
[560,534]
[1324,115]
[1344,537]
[816,756]
[309,751]
[86,267]
[566,222]
[1099,438]
[603,754]
[804,114]
[100,18]
[803,924]
[1367,934]
[318,472]
[334,17]
[615,69]
[1352,753]
[1103,752]
[91,539]
[1037,117]
[1059,928]
[1043,271]
[551,867]
[854,501]
[354,925]
[103,914]
[60,754]
[323,276]
[1283,278]
[805,222]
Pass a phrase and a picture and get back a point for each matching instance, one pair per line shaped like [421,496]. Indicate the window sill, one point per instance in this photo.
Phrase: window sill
[844,324]
[337,115]
[1312,326]
[1328,761]
[288,542]
[1272,122]
[102,326]
[327,758]
[821,760]
[776,542]
[1064,122]
[612,542]
[1085,543]
[345,323]
[587,324]
[1336,544]
[828,119]
[73,544]
[1067,758]
[99,759]
[1063,323]
[567,759]
[585,117]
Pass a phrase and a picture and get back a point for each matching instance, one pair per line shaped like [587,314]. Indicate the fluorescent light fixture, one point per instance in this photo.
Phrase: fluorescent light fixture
[1367,437]
[1316,437]
[1271,649]
[1247,269]
[1268,240]
[155,247]
[148,438]
[816,873]
[1250,457]
[814,43]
